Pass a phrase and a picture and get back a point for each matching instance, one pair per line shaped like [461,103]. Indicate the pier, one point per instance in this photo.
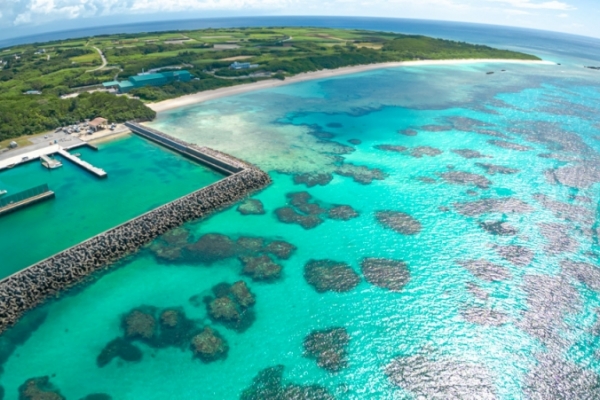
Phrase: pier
[100,173]
[44,154]
[23,199]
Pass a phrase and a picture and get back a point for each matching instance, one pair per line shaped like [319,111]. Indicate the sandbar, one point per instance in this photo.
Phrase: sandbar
[207,95]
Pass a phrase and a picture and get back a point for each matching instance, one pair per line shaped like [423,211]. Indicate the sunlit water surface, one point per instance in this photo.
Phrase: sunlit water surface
[504,312]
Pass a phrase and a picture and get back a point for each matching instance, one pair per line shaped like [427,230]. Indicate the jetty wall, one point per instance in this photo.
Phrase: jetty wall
[28,288]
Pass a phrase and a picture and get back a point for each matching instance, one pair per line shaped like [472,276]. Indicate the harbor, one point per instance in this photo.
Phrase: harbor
[143,174]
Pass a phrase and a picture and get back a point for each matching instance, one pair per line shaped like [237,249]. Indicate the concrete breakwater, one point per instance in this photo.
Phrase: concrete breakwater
[28,288]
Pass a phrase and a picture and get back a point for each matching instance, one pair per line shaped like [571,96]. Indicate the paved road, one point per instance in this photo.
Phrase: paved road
[62,138]
[104,62]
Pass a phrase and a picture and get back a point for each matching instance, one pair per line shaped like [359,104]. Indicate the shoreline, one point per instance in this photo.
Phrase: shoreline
[201,97]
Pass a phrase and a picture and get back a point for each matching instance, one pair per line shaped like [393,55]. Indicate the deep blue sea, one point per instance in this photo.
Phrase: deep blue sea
[431,232]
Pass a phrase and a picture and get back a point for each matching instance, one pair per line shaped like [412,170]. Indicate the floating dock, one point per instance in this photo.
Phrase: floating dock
[99,172]
[26,198]
[49,162]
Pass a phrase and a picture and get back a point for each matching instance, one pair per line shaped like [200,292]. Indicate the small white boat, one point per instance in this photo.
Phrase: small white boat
[3,192]
[11,165]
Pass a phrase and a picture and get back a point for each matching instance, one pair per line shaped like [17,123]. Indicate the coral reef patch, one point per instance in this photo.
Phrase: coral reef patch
[445,378]
[308,212]
[232,305]
[466,178]
[499,228]
[494,169]
[387,274]
[209,345]
[39,389]
[269,384]
[469,154]
[328,347]
[484,316]
[486,270]
[515,254]
[399,222]
[505,205]
[251,207]
[509,145]
[313,179]
[330,275]
[360,173]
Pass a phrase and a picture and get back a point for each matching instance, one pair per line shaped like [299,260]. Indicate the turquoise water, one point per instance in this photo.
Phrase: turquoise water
[141,177]
[502,327]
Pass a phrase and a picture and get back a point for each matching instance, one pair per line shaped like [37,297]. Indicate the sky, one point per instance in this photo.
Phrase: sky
[26,17]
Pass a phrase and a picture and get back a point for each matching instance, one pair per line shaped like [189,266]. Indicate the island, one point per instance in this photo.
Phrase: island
[45,86]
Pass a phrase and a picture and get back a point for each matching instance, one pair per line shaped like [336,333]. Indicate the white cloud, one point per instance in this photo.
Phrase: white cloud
[547,5]
[563,15]
[517,12]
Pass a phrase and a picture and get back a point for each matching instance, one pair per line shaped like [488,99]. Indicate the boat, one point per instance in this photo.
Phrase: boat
[77,154]
[3,192]
[9,166]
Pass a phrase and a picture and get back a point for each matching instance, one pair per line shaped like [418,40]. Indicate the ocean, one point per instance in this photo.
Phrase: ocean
[431,232]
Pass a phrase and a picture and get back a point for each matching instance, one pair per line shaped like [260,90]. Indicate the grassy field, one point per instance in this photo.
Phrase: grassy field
[61,67]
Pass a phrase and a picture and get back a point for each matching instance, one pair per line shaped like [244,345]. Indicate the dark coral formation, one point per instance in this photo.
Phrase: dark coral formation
[313,179]
[309,213]
[158,328]
[399,222]
[499,228]
[329,275]
[261,268]
[421,151]
[515,254]
[466,124]
[466,178]
[211,248]
[441,378]
[565,211]
[288,215]
[328,347]
[360,173]
[436,128]
[425,179]
[505,205]
[555,378]
[120,348]
[251,207]
[384,273]
[343,213]
[30,287]
[280,249]
[549,300]
[477,291]
[354,141]
[484,316]
[209,345]
[268,384]
[580,176]
[232,306]
[39,389]
[408,132]
[486,270]
[586,273]
[559,239]
[494,169]
[391,147]
[509,145]
[468,153]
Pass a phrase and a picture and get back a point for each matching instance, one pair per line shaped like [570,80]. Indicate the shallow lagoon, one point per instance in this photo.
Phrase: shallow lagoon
[520,325]
[141,177]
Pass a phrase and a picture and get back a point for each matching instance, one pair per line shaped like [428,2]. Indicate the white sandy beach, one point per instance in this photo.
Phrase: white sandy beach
[327,73]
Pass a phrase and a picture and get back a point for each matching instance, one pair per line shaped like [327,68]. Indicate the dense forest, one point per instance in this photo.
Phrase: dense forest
[74,66]
[32,114]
